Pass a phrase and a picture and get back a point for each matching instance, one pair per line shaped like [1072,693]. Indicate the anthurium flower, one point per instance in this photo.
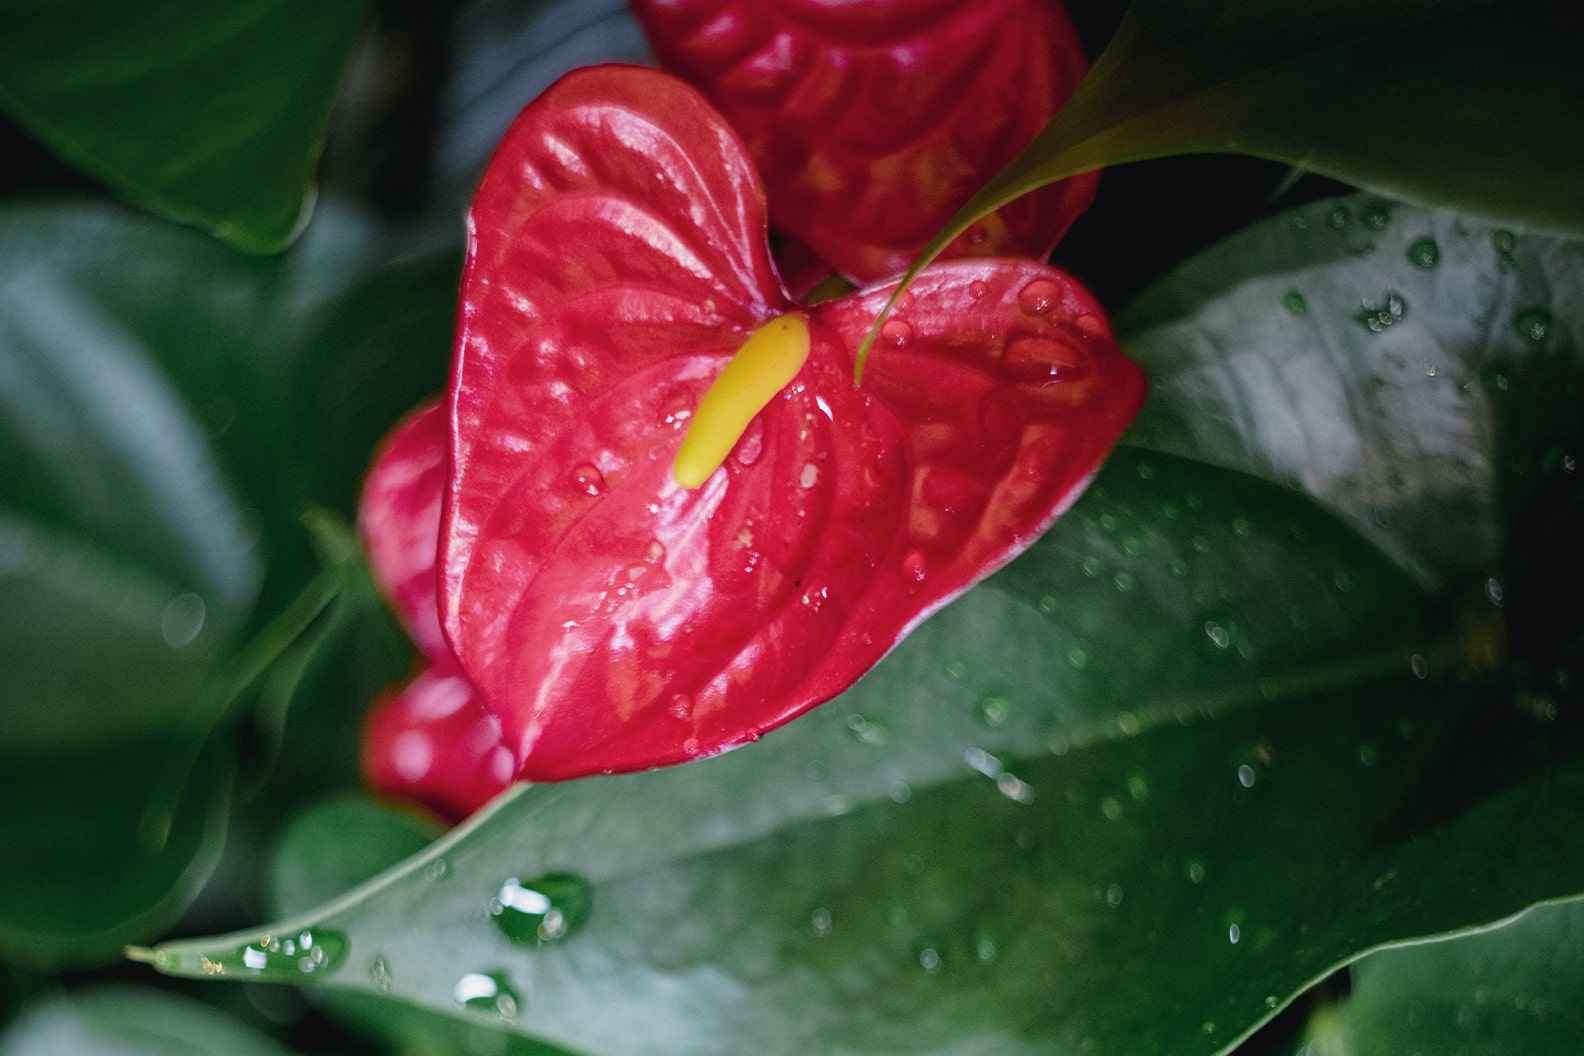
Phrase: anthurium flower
[672,520]
[873,121]
[431,740]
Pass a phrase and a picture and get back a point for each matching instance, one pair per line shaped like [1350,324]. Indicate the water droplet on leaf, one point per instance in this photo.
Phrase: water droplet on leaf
[544,910]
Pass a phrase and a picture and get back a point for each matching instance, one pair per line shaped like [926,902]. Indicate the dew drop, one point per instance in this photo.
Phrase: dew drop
[914,566]
[1337,218]
[1111,809]
[380,975]
[1419,666]
[183,620]
[1294,302]
[928,957]
[820,921]
[1234,933]
[438,869]
[1378,317]
[1196,872]
[809,476]
[587,478]
[1038,297]
[1376,216]
[978,288]
[311,951]
[866,730]
[1245,776]
[1424,254]
[544,910]
[993,710]
[1533,325]
[489,992]
[985,948]
[1113,895]
[896,333]
[1217,634]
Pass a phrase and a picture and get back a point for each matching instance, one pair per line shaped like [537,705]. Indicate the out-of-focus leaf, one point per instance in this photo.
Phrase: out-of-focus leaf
[210,112]
[168,410]
[130,1021]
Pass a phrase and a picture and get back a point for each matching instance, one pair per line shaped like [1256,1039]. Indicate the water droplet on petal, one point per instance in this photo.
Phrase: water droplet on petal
[914,566]
[1039,297]
[978,288]
[587,478]
[896,333]
[810,475]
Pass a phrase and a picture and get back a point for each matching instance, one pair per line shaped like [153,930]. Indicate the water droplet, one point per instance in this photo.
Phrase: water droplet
[1217,634]
[1122,581]
[311,951]
[1245,776]
[820,921]
[985,947]
[1138,787]
[1368,754]
[1337,218]
[1090,566]
[1048,604]
[956,670]
[1113,895]
[810,475]
[1419,666]
[438,869]
[1381,316]
[1424,254]
[1503,241]
[1196,871]
[1077,659]
[896,333]
[978,288]
[1294,302]
[1038,297]
[867,730]
[544,910]
[182,620]
[489,992]
[587,478]
[993,709]
[1533,325]
[1493,592]
[1111,809]
[1014,788]
[1376,216]
[1234,933]
[380,975]
[914,566]
[1041,360]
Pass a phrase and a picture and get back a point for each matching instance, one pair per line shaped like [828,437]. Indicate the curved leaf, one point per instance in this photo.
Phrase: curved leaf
[1513,989]
[1459,103]
[212,114]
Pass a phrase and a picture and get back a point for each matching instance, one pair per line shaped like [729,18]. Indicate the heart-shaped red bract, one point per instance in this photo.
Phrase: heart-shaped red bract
[432,740]
[614,620]
[873,122]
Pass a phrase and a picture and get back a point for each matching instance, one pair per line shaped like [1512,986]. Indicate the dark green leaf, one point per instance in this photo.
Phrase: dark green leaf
[1199,746]
[1461,103]
[210,113]
[131,1021]
[1511,990]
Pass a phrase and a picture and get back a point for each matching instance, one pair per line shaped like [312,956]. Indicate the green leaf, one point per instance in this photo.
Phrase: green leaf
[160,438]
[1199,746]
[208,113]
[1459,103]
[131,1021]
[1514,989]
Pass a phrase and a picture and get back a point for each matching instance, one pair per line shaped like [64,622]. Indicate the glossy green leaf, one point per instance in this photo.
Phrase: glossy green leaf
[1461,103]
[131,1021]
[168,411]
[1200,745]
[210,113]
[1514,989]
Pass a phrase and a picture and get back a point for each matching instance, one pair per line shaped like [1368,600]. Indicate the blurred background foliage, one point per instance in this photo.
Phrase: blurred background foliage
[1351,718]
